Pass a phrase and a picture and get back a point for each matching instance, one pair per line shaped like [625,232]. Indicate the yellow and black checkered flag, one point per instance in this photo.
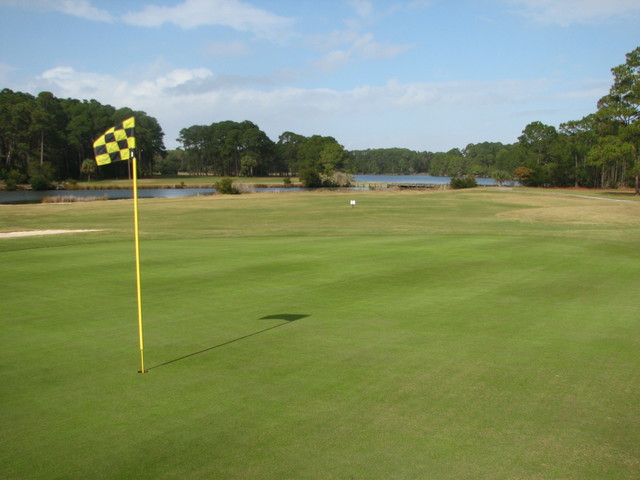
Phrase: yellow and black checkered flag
[116,144]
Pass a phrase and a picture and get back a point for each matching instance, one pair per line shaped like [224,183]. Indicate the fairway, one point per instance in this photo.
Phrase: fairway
[479,334]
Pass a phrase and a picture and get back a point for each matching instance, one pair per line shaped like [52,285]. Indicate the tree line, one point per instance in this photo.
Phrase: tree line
[43,135]
[44,138]
[241,149]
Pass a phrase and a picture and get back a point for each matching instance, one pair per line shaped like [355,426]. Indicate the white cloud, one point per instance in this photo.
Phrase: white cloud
[333,61]
[230,13]
[369,48]
[82,9]
[66,82]
[333,39]
[157,87]
[362,47]
[77,8]
[567,12]
[363,8]
[351,43]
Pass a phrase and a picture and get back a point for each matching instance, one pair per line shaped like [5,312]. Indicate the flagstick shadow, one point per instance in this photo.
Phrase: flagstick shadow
[288,318]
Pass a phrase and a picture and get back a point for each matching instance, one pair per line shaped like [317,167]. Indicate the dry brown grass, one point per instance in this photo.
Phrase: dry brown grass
[617,214]
[544,206]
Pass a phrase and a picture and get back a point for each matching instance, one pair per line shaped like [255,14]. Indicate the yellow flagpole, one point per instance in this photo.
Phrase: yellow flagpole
[137,248]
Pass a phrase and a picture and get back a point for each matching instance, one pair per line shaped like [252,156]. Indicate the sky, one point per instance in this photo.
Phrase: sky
[428,75]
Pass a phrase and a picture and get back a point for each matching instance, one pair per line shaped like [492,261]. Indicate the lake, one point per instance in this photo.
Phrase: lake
[32,196]
[415,179]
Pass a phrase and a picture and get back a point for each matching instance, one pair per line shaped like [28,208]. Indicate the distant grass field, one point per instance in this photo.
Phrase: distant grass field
[476,334]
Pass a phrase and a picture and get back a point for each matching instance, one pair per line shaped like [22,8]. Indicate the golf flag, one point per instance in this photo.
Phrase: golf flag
[116,144]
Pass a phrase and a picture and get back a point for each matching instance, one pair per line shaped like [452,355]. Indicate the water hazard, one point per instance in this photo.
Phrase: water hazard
[31,196]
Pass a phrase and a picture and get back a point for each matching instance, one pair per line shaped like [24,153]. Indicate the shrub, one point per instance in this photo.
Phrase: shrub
[40,176]
[466,182]
[310,178]
[40,182]
[339,179]
[14,178]
[225,186]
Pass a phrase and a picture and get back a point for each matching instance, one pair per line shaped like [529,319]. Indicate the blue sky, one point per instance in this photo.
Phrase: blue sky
[420,74]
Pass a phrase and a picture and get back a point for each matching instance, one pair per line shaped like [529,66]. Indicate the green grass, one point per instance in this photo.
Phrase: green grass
[452,335]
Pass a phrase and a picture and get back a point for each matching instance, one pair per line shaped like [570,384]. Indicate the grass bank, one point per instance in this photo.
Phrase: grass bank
[454,335]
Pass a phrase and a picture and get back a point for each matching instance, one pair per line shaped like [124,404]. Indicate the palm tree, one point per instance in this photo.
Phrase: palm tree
[501,176]
[88,166]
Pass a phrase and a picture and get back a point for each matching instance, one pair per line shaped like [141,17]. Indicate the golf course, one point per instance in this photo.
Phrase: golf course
[485,333]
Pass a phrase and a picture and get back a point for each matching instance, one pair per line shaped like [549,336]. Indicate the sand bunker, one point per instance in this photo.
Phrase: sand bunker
[34,233]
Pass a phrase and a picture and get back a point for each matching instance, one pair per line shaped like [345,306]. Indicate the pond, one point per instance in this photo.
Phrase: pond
[32,196]
[407,179]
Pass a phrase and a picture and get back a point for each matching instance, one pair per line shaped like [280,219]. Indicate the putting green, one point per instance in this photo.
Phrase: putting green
[451,335]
